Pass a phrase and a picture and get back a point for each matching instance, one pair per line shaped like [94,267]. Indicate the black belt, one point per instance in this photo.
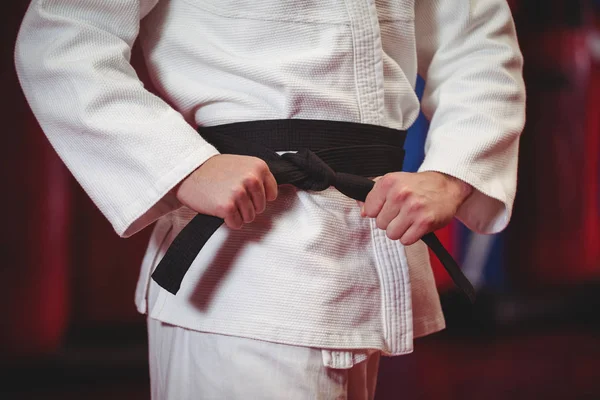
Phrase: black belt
[338,154]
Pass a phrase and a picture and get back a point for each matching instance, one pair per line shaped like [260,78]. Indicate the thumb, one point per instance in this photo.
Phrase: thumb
[360,205]
[374,201]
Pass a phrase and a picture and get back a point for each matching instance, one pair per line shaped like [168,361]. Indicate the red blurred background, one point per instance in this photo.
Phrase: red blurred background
[70,328]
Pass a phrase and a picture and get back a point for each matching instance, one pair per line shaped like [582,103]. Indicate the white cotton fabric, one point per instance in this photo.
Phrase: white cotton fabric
[310,271]
[189,365]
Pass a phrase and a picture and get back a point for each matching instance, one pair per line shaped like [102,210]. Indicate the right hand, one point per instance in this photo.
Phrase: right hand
[235,188]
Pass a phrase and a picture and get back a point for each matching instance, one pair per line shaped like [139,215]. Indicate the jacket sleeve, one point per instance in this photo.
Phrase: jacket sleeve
[474,96]
[126,147]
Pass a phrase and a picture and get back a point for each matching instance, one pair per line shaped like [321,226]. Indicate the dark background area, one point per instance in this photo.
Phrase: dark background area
[70,329]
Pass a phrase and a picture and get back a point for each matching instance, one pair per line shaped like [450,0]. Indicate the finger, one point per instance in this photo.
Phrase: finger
[234,220]
[398,226]
[245,208]
[414,233]
[256,192]
[374,201]
[361,204]
[270,185]
[389,212]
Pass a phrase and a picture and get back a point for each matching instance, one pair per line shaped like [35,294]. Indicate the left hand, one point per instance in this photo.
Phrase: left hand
[409,205]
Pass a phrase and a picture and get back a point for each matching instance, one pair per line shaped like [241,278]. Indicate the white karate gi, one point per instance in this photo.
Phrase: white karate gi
[309,272]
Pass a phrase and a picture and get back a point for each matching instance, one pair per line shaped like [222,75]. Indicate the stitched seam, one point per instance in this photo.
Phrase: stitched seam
[401,289]
[156,193]
[364,78]
[366,336]
[393,295]
[406,297]
[382,279]
[355,62]
[376,34]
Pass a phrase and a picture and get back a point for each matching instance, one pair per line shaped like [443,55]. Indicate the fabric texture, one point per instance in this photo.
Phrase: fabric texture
[334,162]
[310,271]
[186,364]
[191,365]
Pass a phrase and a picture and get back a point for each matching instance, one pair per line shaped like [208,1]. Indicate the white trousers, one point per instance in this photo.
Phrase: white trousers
[186,365]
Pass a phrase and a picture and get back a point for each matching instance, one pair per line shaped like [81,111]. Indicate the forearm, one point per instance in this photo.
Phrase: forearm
[125,146]
[475,99]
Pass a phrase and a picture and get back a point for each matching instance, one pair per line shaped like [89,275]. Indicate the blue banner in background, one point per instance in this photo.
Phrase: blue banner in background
[415,140]
[481,256]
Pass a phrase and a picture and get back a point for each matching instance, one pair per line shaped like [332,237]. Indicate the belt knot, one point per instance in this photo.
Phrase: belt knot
[316,174]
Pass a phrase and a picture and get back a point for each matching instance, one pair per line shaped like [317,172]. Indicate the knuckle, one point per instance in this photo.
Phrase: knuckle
[402,194]
[427,220]
[251,181]
[229,209]
[260,166]
[239,193]
[416,204]
[387,181]
[226,209]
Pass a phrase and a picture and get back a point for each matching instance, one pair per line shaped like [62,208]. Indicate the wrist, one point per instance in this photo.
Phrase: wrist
[461,188]
[464,189]
[180,189]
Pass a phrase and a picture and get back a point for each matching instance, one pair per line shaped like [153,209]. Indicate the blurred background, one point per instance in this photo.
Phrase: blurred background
[69,328]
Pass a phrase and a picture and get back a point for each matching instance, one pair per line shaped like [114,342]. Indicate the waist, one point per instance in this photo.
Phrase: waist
[332,153]
[352,148]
